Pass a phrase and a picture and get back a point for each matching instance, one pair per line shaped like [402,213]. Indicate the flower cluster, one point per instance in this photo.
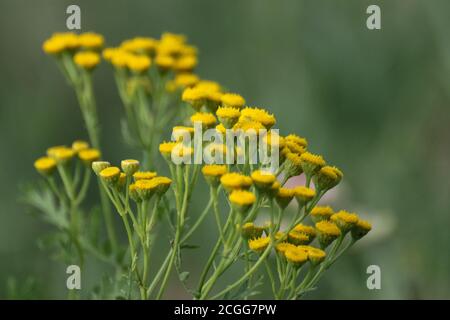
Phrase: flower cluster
[299,239]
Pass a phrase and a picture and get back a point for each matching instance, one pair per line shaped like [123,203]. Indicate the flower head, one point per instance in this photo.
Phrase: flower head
[302,142]
[61,154]
[327,232]
[110,175]
[304,194]
[144,175]
[98,166]
[232,100]
[208,120]
[361,228]
[263,179]
[298,238]
[242,200]
[327,178]
[130,166]
[89,155]
[311,163]
[231,181]
[284,197]
[228,116]
[79,145]
[315,255]
[250,231]
[345,220]
[259,244]
[87,59]
[91,40]
[319,213]
[185,63]
[138,63]
[45,165]
[184,80]
[296,256]
[260,115]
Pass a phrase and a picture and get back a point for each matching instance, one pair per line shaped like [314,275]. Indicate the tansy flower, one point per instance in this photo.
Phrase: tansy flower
[361,228]
[263,179]
[110,175]
[91,40]
[144,175]
[79,145]
[232,100]
[208,85]
[327,232]
[166,148]
[233,180]
[283,246]
[133,192]
[45,165]
[296,256]
[140,45]
[259,244]
[242,200]
[89,155]
[315,255]
[311,163]
[213,172]
[345,220]
[250,231]
[207,119]
[108,53]
[293,166]
[303,194]
[53,46]
[294,147]
[247,125]
[179,132]
[120,58]
[130,166]
[327,178]
[87,59]
[185,63]
[98,166]
[184,80]
[302,142]
[256,114]
[284,197]
[62,155]
[51,151]
[298,238]
[228,116]
[138,63]
[221,129]
[308,230]
[164,62]
[321,213]
[60,42]
[162,184]
[273,139]
[146,188]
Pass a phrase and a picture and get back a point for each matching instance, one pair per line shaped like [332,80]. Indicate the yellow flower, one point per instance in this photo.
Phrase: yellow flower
[315,255]
[361,228]
[139,45]
[345,220]
[263,179]
[274,139]
[108,53]
[164,62]
[45,165]
[250,231]
[308,230]
[213,172]
[138,63]
[232,100]
[204,93]
[259,244]
[110,175]
[144,175]
[295,148]
[311,163]
[228,116]
[247,125]
[89,155]
[283,246]
[162,184]
[134,194]
[181,131]
[260,115]
[327,178]
[231,181]
[91,40]
[293,166]
[130,166]
[304,194]
[242,200]
[60,42]
[208,85]
[62,155]
[284,197]
[302,142]
[53,46]
[321,213]
[79,145]
[298,238]
[206,119]
[327,232]
[87,59]
[120,58]
[221,129]
[296,256]
[166,148]
[146,188]
[52,150]
[98,166]
[185,63]
[184,80]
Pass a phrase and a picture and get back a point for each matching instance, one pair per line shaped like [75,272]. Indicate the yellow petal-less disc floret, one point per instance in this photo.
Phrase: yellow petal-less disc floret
[87,59]
[298,238]
[295,148]
[296,256]
[228,116]
[232,100]
[110,175]
[79,145]
[208,120]
[283,246]
[284,197]
[89,155]
[146,188]
[231,181]
[260,115]
[308,230]
[164,62]
[91,40]
[250,231]
[184,80]
[129,166]
[144,175]
[98,166]
[185,63]
[62,154]
[315,255]
[327,177]
[166,148]
[311,163]
[162,184]
[345,220]
[263,179]
[213,172]
[319,213]
[302,142]
[327,232]
[45,165]
[242,200]
[304,194]
[293,166]
[361,228]
[259,244]
[138,63]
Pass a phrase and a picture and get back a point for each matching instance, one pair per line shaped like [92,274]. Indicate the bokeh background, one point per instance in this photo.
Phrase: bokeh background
[375,103]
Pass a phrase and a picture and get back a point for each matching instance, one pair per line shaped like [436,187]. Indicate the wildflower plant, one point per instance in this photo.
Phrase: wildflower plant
[243,159]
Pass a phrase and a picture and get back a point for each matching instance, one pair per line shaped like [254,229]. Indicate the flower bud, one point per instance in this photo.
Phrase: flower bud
[98,166]
[129,166]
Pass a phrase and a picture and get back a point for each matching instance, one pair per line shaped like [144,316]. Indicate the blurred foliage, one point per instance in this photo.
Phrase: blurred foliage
[377,101]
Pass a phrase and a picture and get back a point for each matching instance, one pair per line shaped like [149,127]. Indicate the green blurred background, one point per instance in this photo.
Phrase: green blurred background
[375,103]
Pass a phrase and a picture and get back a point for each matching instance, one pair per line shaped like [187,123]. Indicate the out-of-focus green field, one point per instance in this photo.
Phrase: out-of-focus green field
[375,103]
